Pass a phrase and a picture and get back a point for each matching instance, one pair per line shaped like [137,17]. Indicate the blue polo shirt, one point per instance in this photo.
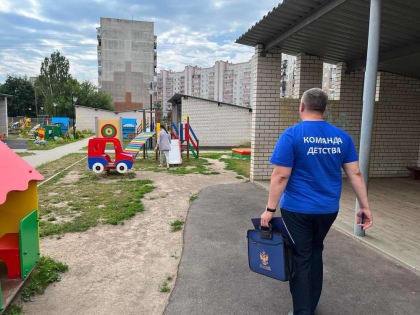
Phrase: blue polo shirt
[316,150]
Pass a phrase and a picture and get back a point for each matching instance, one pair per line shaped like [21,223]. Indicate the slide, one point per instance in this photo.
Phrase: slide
[138,142]
[175,153]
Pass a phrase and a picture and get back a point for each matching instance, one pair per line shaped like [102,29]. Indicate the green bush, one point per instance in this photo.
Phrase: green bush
[59,140]
[78,134]
[71,137]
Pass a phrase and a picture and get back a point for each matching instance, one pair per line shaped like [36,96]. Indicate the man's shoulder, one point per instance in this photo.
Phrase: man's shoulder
[338,130]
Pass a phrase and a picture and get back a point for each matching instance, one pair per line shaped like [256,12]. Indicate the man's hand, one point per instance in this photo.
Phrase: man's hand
[367,219]
[266,218]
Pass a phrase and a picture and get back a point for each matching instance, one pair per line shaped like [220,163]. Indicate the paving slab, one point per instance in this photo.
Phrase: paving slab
[44,156]
[214,277]
[16,143]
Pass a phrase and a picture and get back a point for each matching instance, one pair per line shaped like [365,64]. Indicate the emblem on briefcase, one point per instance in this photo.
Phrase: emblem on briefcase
[264,261]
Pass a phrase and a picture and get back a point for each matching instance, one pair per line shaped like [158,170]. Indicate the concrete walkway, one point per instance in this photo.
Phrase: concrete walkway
[44,156]
[214,277]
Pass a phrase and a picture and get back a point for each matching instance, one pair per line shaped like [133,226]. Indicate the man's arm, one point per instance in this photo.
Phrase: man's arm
[279,179]
[358,184]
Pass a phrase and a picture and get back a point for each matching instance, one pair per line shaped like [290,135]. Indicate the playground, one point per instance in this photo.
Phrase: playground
[127,252]
[116,220]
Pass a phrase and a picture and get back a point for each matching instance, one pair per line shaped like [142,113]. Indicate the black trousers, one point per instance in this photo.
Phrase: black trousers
[308,232]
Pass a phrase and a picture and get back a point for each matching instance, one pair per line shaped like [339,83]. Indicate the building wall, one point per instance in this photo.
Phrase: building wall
[396,130]
[396,136]
[3,116]
[215,125]
[126,60]
[85,116]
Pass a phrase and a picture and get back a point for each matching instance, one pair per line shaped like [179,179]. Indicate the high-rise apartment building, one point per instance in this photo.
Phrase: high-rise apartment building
[126,61]
[230,83]
[288,73]
[223,82]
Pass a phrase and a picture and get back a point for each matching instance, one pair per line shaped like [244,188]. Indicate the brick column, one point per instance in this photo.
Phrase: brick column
[308,74]
[265,102]
[349,92]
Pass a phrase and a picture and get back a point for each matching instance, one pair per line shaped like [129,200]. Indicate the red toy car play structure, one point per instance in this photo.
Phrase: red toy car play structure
[99,161]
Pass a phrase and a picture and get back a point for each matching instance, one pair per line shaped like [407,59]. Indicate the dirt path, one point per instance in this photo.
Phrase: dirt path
[119,269]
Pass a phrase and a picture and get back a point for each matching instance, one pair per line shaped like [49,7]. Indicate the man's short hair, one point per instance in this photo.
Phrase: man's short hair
[315,100]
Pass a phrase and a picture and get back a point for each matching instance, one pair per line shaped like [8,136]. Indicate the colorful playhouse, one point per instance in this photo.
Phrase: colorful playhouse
[129,128]
[63,122]
[19,232]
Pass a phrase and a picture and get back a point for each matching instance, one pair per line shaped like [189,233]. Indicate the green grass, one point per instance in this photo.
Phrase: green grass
[89,200]
[51,144]
[215,156]
[176,225]
[240,166]
[47,271]
[50,168]
[164,287]
[191,166]
[193,197]
[239,177]
[13,309]
[13,136]
[25,153]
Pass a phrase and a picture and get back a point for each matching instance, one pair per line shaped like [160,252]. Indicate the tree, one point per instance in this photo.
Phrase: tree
[23,101]
[53,83]
[58,87]
[89,95]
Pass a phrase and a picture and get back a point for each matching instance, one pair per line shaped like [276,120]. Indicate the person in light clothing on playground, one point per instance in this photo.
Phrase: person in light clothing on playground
[164,145]
[307,177]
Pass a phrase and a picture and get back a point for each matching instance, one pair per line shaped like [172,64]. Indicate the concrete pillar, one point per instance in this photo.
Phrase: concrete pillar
[265,102]
[308,74]
[3,116]
[369,93]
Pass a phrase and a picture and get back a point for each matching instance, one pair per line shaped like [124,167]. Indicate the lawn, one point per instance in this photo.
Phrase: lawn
[25,153]
[191,166]
[78,199]
[238,165]
[51,144]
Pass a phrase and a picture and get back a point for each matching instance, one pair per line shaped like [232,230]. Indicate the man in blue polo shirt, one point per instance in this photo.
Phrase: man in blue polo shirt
[307,177]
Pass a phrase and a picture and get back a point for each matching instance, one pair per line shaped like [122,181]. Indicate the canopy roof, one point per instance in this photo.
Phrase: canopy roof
[15,173]
[337,30]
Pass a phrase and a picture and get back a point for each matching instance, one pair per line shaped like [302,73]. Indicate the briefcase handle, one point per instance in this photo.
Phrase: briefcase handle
[266,233]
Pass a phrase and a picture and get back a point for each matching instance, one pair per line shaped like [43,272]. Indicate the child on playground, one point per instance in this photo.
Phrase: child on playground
[164,145]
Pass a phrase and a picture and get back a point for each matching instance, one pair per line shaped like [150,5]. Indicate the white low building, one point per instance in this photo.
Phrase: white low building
[3,115]
[216,124]
[85,116]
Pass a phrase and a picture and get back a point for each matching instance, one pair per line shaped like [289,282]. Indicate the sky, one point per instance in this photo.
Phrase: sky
[189,32]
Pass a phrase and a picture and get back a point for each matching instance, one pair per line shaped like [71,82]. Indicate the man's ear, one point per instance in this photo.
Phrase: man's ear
[301,107]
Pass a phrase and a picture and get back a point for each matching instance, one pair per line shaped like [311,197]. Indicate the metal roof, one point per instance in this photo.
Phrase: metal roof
[176,99]
[337,30]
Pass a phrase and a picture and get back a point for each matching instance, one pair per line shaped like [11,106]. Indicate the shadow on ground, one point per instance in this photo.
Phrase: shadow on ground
[214,277]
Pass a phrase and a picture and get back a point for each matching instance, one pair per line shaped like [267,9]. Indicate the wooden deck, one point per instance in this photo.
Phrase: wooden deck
[395,204]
